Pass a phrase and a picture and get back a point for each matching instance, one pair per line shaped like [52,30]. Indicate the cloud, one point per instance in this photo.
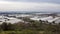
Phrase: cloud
[49,1]
[28,6]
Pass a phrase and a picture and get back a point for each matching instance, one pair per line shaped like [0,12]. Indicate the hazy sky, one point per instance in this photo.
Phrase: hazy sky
[29,5]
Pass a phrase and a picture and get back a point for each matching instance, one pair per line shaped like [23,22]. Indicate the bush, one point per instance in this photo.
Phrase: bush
[29,32]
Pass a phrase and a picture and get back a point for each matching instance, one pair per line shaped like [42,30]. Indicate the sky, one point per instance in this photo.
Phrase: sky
[29,5]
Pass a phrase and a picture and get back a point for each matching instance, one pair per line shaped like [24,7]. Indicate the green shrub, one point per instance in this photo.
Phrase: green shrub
[29,32]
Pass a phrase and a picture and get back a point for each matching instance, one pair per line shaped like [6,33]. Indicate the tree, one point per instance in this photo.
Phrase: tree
[10,26]
[53,22]
[4,26]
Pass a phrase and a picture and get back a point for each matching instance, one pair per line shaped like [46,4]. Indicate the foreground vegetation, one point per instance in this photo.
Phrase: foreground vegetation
[33,27]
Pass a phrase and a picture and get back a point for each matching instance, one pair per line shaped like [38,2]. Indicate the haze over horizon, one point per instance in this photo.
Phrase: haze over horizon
[30,5]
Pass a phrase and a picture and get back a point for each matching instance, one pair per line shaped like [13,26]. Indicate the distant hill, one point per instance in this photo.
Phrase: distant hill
[25,12]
